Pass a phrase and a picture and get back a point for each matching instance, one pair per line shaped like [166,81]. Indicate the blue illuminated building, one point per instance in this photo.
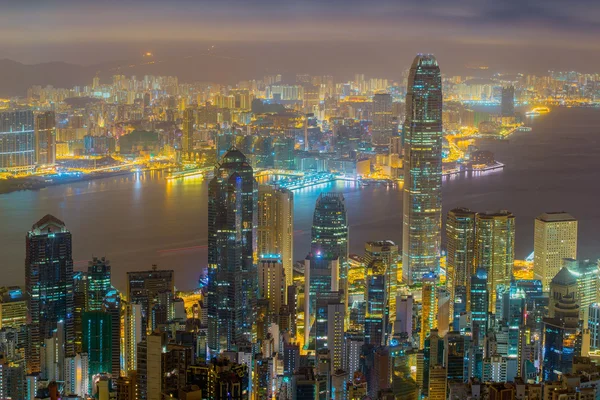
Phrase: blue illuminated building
[232,272]
[17,140]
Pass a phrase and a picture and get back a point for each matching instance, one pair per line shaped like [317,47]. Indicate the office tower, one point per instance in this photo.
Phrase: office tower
[291,358]
[376,297]
[422,170]
[143,287]
[560,337]
[272,281]
[387,252]
[112,306]
[187,137]
[508,101]
[336,315]
[555,238]
[429,309]
[329,235]
[321,275]
[495,249]
[306,385]
[98,283]
[49,285]
[594,325]
[176,359]
[354,342]
[455,356]
[479,305]
[437,383]
[382,128]
[149,366]
[586,273]
[460,260]
[276,226]
[564,284]
[134,332]
[52,354]
[17,140]
[443,313]
[232,273]
[97,342]
[13,307]
[45,138]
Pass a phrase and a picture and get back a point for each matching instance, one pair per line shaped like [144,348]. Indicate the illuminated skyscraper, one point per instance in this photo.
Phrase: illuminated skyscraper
[508,101]
[383,125]
[460,260]
[45,138]
[144,287]
[98,283]
[232,272]
[276,226]
[17,140]
[587,274]
[133,335]
[429,308]
[555,238]
[376,318]
[187,137]
[387,252]
[97,342]
[112,306]
[422,202]
[479,305]
[495,249]
[49,285]
[329,236]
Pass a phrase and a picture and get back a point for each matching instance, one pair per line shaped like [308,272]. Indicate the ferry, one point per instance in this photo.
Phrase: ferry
[532,113]
[524,128]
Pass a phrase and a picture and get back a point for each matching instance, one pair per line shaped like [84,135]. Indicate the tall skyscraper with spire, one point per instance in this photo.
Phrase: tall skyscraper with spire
[232,270]
[421,233]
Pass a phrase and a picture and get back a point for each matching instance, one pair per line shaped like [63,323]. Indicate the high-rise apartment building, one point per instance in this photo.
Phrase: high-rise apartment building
[382,128]
[555,238]
[272,281]
[422,202]
[49,285]
[232,272]
[460,259]
[276,226]
[149,366]
[429,308]
[133,335]
[187,137]
[45,138]
[495,249]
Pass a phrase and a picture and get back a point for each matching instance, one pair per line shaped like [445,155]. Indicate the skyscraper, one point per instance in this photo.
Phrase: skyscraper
[422,202]
[17,140]
[187,137]
[329,235]
[97,342]
[429,306]
[45,138]
[495,249]
[387,252]
[133,335]
[383,126]
[508,101]
[376,298]
[271,281]
[144,287]
[49,285]
[460,260]
[479,305]
[555,238]
[232,272]
[276,226]
[98,283]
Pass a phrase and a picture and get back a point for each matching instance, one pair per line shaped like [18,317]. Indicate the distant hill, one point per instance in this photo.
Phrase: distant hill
[16,78]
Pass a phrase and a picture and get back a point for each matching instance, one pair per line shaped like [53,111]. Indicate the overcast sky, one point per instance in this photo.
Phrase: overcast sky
[520,34]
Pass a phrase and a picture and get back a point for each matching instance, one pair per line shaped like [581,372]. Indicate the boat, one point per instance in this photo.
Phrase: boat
[524,128]
[532,113]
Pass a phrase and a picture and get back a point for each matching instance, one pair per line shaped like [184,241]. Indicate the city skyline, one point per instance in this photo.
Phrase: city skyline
[324,219]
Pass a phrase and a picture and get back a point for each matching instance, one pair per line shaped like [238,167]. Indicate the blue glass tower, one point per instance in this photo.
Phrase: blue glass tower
[232,272]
